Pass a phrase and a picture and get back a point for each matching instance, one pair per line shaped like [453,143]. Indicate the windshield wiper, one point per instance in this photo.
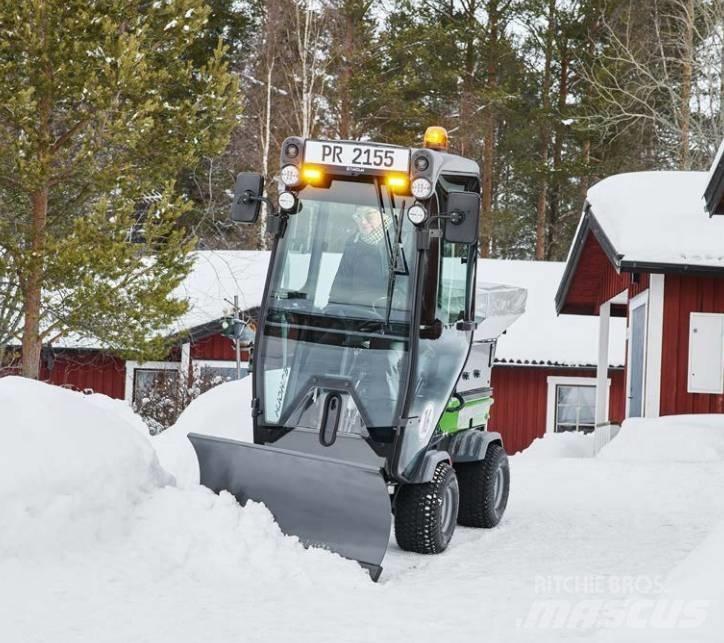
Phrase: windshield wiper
[396,259]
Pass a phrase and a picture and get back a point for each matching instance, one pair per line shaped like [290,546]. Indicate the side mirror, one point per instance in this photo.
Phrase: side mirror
[248,190]
[463,210]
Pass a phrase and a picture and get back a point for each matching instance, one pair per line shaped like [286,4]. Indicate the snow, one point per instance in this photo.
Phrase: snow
[69,468]
[560,445]
[98,546]
[676,438]
[224,411]
[659,217]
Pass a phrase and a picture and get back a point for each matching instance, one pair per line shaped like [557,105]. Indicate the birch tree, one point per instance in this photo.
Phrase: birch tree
[656,68]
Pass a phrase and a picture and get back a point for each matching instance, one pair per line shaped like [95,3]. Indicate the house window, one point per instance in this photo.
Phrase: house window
[144,378]
[575,408]
[571,404]
[149,380]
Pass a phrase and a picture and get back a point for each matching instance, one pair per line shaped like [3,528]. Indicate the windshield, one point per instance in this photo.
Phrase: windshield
[339,307]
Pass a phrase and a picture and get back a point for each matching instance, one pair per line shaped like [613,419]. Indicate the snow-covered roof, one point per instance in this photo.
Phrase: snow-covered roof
[658,218]
[540,336]
[537,337]
[218,275]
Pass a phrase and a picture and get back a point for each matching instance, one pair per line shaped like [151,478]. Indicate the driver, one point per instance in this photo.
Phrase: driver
[361,278]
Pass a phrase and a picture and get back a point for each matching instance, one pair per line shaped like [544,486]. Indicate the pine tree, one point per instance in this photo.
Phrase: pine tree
[102,106]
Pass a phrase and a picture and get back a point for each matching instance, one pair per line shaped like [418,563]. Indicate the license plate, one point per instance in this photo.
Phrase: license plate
[357,157]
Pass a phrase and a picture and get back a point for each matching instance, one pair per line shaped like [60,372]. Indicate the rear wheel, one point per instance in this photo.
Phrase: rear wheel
[484,488]
[426,514]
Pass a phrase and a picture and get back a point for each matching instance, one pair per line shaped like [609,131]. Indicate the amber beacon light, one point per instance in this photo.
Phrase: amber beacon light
[436,138]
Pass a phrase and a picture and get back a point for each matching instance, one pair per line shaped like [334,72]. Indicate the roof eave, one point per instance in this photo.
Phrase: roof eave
[588,224]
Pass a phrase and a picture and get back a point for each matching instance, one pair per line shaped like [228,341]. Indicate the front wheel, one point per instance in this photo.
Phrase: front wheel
[425,514]
[484,488]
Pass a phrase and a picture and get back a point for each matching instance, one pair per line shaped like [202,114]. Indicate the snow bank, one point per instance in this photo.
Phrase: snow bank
[224,411]
[121,409]
[560,445]
[674,438]
[70,468]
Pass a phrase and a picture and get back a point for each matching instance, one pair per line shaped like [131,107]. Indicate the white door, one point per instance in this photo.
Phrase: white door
[636,376]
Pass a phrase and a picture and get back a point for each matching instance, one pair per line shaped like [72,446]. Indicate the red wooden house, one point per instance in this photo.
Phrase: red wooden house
[646,249]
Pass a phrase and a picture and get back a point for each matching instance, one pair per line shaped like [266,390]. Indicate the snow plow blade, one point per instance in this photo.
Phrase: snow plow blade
[329,503]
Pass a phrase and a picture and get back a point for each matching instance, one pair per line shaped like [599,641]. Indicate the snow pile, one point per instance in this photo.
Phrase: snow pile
[80,486]
[121,409]
[568,444]
[674,438]
[70,469]
[224,411]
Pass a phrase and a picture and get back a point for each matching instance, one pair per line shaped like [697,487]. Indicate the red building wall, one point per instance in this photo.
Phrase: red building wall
[216,347]
[521,399]
[684,294]
[87,370]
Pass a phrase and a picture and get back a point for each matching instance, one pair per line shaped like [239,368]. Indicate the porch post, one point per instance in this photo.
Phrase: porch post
[604,318]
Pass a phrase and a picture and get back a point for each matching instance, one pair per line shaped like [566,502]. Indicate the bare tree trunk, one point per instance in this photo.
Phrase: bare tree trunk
[486,229]
[266,145]
[585,179]
[687,65]
[32,286]
[540,221]
[560,132]
[345,81]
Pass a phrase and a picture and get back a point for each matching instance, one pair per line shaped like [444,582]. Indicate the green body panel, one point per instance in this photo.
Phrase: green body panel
[473,414]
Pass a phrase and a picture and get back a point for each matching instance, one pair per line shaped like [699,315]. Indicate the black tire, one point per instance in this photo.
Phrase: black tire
[482,500]
[425,514]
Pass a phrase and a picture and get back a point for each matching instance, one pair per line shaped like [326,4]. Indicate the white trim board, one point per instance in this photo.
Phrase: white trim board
[555,380]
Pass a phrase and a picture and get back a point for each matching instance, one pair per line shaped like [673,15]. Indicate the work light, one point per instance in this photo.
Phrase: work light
[417,214]
[290,175]
[421,188]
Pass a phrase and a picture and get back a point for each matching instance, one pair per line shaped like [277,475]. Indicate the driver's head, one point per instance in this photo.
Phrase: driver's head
[367,218]
[369,223]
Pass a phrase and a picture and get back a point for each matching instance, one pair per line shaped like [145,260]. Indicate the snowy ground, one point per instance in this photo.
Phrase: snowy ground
[98,545]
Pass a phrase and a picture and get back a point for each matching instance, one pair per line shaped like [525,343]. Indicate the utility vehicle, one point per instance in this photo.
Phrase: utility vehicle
[371,368]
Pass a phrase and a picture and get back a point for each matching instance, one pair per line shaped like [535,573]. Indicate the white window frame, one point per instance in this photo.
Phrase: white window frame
[132,366]
[554,381]
[690,388]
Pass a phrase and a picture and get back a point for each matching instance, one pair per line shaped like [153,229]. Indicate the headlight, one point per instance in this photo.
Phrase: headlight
[290,175]
[287,201]
[421,188]
[417,214]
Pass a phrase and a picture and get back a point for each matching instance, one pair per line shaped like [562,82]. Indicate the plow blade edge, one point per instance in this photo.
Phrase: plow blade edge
[337,505]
